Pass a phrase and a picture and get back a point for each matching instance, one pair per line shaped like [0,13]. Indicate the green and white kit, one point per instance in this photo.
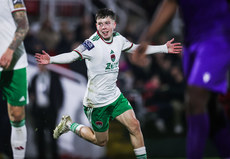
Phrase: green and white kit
[102,61]
[103,100]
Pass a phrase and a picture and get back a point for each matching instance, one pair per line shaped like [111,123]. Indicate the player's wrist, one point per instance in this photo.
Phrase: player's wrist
[165,48]
[51,60]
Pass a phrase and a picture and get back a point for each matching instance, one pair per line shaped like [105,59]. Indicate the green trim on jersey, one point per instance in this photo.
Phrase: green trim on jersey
[80,56]
[116,34]
[99,117]
[128,48]
[95,38]
[14,86]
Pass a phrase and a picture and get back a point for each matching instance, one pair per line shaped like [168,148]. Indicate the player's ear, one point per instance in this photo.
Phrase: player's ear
[96,25]
[114,25]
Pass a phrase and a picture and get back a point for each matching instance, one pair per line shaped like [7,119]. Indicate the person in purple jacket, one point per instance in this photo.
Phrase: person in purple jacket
[206,61]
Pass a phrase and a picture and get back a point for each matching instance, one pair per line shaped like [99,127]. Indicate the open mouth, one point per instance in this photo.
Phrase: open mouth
[105,33]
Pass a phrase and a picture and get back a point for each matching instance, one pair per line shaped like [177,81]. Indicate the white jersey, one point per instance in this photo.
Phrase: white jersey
[102,61]
[7,31]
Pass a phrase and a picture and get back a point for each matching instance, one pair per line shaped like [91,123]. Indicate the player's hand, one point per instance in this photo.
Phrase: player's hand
[43,58]
[6,58]
[174,48]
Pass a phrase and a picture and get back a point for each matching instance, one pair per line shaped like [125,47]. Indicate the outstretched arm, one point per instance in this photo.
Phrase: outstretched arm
[44,58]
[169,47]
[139,54]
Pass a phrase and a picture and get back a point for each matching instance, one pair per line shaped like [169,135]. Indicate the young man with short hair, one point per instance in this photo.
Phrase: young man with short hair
[103,100]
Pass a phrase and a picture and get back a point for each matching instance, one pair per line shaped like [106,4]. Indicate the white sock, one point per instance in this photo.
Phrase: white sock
[18,141]
[75,127]
[140,153]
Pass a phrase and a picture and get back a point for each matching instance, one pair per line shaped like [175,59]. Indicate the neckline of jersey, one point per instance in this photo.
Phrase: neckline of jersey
[107,42]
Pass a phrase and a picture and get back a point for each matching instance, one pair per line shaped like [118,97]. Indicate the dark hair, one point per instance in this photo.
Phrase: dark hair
[105,12]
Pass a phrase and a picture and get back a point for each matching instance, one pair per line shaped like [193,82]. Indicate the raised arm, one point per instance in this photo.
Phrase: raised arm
[20,18]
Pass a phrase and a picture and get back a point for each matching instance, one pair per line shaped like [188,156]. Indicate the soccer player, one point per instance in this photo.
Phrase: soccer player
[206,60]
[103,100]
[13,61]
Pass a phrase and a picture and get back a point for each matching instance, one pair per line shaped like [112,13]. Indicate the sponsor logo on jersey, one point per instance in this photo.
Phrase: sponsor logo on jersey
[88,45]
[112,67]
[18,4]
[99,124]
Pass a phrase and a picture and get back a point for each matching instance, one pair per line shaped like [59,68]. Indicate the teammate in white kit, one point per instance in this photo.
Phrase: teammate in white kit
[13,61]
[103,100]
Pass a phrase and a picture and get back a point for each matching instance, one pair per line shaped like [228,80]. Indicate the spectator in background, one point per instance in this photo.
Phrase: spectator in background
[32,43]
[66,38]
[65,41]
[206,60]
[48,36]
[13,70]
[46,96]
[84,29]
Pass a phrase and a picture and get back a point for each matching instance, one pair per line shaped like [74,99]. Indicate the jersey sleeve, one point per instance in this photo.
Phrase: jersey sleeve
[17,5]
[127,45]
[84,50]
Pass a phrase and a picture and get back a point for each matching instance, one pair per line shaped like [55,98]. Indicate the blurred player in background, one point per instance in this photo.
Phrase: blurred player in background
[206,60]
[13,62]
[103,99]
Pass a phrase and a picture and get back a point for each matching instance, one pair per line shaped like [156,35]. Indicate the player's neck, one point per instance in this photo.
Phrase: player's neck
[107,40]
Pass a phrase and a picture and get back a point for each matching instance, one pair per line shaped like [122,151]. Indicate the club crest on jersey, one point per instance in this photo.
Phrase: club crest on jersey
[88,45]
[112,55]
[99,124]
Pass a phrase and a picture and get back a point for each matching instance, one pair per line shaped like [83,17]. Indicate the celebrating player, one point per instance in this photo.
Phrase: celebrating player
[103,100]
